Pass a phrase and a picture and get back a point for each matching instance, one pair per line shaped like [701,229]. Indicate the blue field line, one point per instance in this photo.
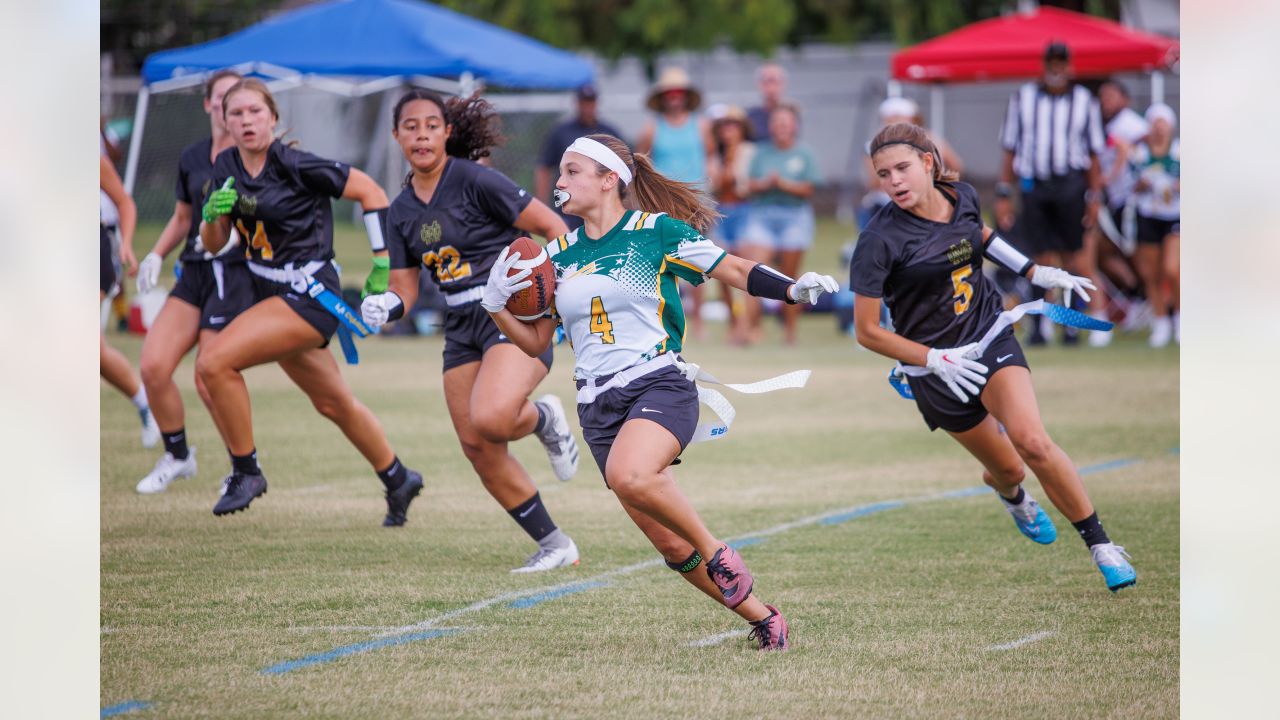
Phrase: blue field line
[745,542]
[964,492]
[124,707]
[861,512]
[345,650]
[1112,465]
[530,601]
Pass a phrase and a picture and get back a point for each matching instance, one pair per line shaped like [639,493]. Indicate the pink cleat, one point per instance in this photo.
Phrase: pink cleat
[731,575]
[770,632]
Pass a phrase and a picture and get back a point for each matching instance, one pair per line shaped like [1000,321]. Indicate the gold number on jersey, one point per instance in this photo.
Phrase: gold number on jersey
[260,241]
[600,324]
[448,264]
[964,291]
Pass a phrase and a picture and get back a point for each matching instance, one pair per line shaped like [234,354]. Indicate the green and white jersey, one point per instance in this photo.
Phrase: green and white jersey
[616,297]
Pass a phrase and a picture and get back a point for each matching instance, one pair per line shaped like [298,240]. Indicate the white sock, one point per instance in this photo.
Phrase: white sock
[140,400]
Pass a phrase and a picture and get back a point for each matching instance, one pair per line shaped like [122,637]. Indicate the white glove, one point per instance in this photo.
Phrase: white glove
[810,287]
[957,370]
[500,288]
[1052,277]
[376,309]
[149,272]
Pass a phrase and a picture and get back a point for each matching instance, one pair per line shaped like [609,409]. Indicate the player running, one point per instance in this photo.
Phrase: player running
[453,218]
[209,294]
[278,199]
[922,255]
[617,300]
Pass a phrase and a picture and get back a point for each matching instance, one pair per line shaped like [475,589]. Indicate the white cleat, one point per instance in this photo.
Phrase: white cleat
[557,438]
[1099,338]
[167,469]
[150,430]
[550,559]
[1161,332]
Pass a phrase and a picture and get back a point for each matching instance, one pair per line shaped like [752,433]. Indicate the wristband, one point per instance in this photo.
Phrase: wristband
[374,222]
[1093,196]
[396,312]
[763,281]
[999,250]
[1004,190]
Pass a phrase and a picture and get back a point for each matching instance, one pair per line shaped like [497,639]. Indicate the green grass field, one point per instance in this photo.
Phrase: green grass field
[899,612]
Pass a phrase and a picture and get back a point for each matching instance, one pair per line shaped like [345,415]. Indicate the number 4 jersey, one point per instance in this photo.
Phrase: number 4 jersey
[457,236]
[928,273]
[616,297]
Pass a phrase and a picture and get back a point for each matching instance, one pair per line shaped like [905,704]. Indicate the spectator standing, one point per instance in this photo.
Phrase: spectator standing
[1157,194]
[784,174]
[731,189]
[772,81]
[1052,135]
[585,121]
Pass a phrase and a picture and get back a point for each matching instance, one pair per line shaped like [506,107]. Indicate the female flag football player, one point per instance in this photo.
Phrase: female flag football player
[278,199]
[112,364]
[209,294]
[922,255]
[453,218]
[617,300]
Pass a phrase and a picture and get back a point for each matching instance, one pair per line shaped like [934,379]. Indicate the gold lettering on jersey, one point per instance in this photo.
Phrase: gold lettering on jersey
[961,253]
[204,189]
[248,205]
[430,234]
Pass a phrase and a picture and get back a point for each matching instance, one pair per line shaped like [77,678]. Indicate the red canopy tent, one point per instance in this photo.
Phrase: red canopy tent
[1012,47]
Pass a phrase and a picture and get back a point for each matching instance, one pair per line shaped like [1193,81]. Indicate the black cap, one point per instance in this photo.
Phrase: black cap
[1056,50]
[587,92]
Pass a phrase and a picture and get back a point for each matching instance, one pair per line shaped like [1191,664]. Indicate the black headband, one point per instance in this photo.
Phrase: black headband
[877,148]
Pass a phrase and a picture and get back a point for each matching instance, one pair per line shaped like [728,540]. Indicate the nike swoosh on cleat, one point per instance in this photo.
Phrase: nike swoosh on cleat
[1002,359]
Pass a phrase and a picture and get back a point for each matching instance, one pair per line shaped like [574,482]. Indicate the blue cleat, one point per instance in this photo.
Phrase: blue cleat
[1032,521]
[1116,570]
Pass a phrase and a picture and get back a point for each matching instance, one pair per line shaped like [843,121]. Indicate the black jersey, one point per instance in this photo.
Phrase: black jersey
[195,182]
[284,214]
[928,273]
[462,230]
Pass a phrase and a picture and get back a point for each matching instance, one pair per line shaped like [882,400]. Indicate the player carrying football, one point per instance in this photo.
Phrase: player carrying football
[617,300]
[922,255]
[453,218]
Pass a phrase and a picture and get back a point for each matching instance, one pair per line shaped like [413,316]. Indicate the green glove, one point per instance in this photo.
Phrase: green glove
[379,278]
[220,201]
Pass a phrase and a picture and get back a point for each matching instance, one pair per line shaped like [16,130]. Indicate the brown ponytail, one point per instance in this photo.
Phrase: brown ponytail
[655,191]
[918,138]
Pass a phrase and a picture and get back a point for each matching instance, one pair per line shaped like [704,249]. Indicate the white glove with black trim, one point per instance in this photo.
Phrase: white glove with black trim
[376,310]
[957,370]
[149,272]
[1052,277]
[810,287]
[500,288]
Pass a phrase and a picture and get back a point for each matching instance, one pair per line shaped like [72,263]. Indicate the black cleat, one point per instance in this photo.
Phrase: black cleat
[398,500]
[239,491]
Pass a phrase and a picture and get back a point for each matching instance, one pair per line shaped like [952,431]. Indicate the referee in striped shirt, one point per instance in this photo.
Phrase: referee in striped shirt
[1052,136]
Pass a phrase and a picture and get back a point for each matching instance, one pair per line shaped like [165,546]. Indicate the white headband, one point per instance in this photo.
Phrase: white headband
[602,154]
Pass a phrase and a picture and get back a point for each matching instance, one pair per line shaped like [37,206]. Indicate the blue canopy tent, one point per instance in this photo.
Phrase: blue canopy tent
[357,47]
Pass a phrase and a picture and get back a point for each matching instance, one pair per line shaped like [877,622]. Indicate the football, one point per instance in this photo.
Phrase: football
[532,302]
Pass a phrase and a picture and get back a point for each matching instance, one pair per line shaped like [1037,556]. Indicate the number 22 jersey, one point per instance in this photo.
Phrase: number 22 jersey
[616,297]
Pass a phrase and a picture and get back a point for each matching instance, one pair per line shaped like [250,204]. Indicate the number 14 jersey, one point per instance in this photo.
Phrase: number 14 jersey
[616,297]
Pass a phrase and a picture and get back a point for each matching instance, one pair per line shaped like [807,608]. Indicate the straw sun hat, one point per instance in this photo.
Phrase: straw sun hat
[673,78]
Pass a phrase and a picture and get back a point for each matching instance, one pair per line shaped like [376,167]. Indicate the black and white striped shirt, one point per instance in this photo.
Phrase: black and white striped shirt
[1052,134]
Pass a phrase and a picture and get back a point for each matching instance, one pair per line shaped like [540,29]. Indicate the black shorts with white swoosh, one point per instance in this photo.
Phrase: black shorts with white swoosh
[664,396]
[469,332]
[942,409]
[221,290]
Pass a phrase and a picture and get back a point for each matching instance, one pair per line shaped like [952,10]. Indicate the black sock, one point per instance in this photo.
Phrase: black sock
[1017,499]
[1091,531]
[533,517]
[542,418]
[175,443]
[246,464]
[395,475]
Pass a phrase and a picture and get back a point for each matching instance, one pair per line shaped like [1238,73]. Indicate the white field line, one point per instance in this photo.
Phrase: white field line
[1033,637]
[655,562]
[717,638]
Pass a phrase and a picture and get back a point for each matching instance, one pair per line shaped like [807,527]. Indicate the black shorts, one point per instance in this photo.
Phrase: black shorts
[469,332]
[106,263]
[1153,231]
[664,396]
[942,409]
[220,291]
[304,305]
[1052,217]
